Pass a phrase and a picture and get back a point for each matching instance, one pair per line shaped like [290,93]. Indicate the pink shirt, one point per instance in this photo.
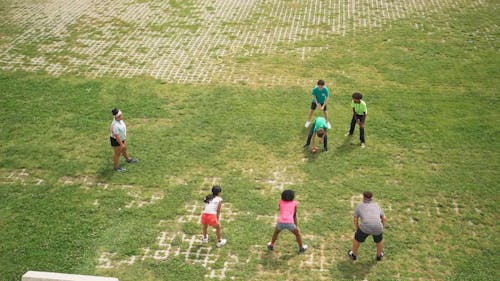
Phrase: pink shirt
[287,210]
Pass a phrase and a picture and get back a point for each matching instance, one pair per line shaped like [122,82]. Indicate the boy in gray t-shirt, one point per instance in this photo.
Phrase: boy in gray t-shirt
[372,223]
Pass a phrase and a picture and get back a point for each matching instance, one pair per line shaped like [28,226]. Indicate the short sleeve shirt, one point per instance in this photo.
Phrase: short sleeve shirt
[359,108]
[320,122]
[118,128]
[287,210]
[370,215]
[320,95]
[212,206]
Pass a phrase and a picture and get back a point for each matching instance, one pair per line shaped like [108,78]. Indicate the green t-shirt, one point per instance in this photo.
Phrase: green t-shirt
[320,122]
[359,108]
[320,95]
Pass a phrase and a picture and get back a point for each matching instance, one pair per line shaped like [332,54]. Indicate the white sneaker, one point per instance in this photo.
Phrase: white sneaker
[362,145]
[329,125]
[347,134]
[307,124]
[204,240]
[221,243]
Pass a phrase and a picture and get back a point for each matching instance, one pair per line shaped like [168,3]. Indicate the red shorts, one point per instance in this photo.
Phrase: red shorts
[209,219]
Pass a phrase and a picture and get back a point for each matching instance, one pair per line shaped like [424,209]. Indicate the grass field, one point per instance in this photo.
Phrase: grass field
[431,86]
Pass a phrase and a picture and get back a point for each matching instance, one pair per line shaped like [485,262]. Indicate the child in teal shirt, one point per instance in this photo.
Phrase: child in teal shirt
[318,128]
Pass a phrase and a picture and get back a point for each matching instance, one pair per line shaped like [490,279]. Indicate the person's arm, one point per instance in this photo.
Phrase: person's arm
[295,215]
[218,210]
[118,140]
[356,224]
[383,219]
[324,104]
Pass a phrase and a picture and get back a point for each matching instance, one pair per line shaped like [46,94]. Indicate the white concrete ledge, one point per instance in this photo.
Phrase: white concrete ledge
[53,276]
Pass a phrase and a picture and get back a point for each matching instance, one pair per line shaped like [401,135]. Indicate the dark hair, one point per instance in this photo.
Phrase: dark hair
[321,82]
[320,132]
[215,191]
[287,195]
[357,96]
[367,195]
[115,111]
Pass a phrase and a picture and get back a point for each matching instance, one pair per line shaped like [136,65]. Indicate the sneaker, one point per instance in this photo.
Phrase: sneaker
[379,258]
[329,125]
[305,146]
[351,255]
[119,169]
[347,134]
[204,240]
[302,249]
[131,160]
[270,246]
[325,149]
[363,145]
[221,243]
[307,124]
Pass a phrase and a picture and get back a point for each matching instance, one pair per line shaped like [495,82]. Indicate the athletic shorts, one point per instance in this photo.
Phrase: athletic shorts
[360,236]
[209,219]
[361,118]
[290,226]
[114,142]
[313,106]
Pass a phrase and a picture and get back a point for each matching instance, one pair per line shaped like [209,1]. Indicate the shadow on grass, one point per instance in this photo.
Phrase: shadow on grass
[355,270]
[346,146]
[105,172]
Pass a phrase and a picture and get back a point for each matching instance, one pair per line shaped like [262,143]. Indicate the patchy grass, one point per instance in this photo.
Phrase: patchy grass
[431,160]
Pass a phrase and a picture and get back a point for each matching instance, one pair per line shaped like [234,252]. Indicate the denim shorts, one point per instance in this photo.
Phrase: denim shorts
[290,226]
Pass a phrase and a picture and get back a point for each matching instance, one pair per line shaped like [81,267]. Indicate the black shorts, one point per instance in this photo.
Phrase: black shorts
[313,106]
[360,236]
[361,118]
[114,142]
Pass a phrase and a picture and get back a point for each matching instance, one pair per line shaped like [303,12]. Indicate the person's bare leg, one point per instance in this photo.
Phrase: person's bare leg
[275,236]
[298,237]
[116,157]
[380,246]
[355,246]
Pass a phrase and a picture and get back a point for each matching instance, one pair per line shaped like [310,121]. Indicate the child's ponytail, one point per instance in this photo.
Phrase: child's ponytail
[215,191]
[209,198]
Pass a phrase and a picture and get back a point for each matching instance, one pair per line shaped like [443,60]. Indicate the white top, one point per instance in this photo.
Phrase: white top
[118,128]
[211,207]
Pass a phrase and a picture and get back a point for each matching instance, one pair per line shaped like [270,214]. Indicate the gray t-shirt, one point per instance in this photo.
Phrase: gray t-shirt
[370,214]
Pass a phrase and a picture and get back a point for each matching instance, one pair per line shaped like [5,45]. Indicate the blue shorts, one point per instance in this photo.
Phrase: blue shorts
[290,226]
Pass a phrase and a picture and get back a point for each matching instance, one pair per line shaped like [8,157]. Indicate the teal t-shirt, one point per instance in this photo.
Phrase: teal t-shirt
[320,122]
[359,108]
[320,95]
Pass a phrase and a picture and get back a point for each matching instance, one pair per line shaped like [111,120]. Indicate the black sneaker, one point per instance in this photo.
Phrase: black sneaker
[379,258]
[302,249]
[351,255]
[119,169]
[131,160]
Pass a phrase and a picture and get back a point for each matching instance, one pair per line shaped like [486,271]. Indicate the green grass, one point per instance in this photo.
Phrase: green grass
[431,160]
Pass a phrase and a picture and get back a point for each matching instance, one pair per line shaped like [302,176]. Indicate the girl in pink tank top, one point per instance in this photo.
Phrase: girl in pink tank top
[287,220]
